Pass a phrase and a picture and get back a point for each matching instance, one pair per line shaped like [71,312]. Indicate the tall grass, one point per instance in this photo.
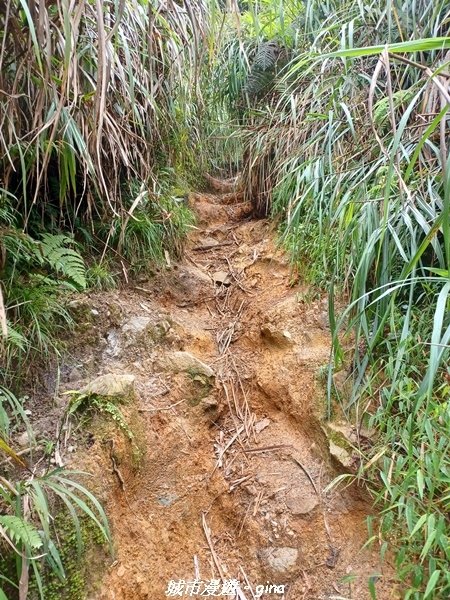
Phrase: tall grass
[347,146]
[100,120]
[94,93]
[30,495]
[100,125]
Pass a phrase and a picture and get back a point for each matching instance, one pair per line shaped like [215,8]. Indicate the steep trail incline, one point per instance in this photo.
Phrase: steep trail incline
[227,353]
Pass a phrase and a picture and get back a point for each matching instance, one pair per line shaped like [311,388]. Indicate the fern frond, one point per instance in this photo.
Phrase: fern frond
[19,530]
[258,81]
[262,72]
[15,338]
[266,55]
[63,259]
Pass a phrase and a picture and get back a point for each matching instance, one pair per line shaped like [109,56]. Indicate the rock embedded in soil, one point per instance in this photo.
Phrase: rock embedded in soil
[341,439]
[300,501]
[222,278]
[190,284]
[209,403]
[279,560]
[114,347]
[74,375]
[136,328]
[117,385]
[186,362]
[344,458]
[342,431]
[261,425]
[278,337]
[23,440]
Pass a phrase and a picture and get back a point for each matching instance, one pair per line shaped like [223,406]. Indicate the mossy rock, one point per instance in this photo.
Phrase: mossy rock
[341,439]
[201,387]
[119,386]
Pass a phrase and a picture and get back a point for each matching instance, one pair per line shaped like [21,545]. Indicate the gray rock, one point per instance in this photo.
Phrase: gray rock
[112,385]
[341,455]
[184,361]
[342,438]
[222,278]
[279,560]
[113,344]
[342,430]
[23,440]
[136,329]
[209,403]
[74,374]
[190,284]
[207,241]
[261,425]
[300,501]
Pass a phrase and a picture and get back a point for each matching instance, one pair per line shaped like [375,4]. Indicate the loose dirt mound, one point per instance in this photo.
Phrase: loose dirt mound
[227,355]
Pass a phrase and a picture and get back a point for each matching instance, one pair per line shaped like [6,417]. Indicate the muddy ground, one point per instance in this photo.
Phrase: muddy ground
[225,478]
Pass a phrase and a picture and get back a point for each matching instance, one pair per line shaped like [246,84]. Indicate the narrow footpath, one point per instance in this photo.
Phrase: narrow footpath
[228,352]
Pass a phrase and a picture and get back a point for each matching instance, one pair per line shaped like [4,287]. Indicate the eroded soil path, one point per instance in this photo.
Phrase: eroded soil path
[227,353]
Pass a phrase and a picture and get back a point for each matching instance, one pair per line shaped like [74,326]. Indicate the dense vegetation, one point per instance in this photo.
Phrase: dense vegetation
[337,114]
[99,106]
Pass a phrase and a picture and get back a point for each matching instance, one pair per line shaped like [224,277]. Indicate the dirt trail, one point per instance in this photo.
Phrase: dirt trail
[232,482]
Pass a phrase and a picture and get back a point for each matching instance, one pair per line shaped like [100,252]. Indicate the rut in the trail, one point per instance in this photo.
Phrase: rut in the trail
[232,485]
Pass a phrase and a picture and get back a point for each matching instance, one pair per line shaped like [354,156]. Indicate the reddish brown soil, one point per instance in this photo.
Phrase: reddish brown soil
[236,470]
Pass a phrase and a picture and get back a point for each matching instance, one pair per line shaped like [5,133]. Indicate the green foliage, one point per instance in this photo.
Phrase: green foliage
[158,223]
[261,77]
[36,276]
[95,115]
[77,568]
[83,123]
[416,489]
[99,277]
[349,152]
[95,403]
[20,532]
[29,504]
[338,114]
[65,261]
[49,255]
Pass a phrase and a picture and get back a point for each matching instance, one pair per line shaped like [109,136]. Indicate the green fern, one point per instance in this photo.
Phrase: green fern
[17,530]
[262,73]
[86,401]
[110,409]
[47,496]
[267,55]
[381,109]
[15,338]
[63,259]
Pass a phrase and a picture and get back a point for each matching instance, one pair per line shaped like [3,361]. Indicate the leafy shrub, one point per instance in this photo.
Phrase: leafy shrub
[29,503]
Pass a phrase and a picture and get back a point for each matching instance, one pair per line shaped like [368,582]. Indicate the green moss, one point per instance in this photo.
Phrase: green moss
[201,387]
[92,404]
[77,566]
[139,445]
[337,437]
